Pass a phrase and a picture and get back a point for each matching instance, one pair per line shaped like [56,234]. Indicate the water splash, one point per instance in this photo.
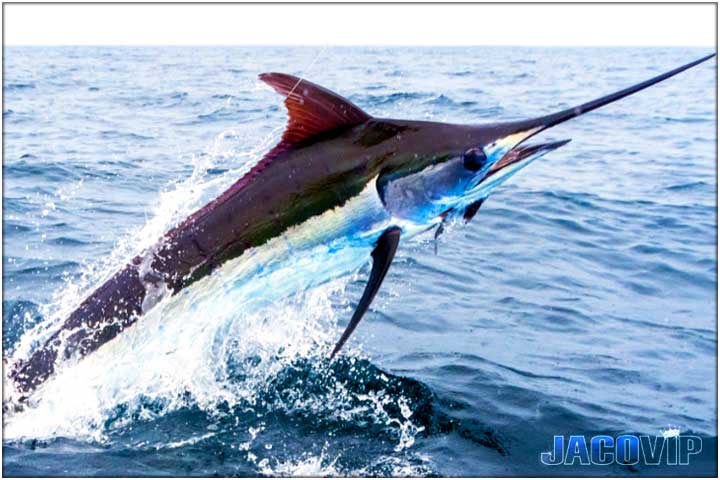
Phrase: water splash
[225,347]
[176,201]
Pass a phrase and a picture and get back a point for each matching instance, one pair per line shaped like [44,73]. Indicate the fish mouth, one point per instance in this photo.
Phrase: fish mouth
[525,152]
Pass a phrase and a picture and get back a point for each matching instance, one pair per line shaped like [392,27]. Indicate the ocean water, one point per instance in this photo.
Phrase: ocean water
[580,300]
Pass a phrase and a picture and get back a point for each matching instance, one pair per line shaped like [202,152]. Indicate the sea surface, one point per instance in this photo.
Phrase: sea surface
[580,300]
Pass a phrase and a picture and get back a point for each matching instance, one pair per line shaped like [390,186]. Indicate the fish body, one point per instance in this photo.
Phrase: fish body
[340,182]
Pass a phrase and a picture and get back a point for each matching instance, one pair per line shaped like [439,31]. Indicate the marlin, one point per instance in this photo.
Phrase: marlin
[339,178]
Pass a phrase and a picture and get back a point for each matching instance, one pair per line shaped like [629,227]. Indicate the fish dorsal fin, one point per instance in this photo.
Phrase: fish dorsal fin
[311,108]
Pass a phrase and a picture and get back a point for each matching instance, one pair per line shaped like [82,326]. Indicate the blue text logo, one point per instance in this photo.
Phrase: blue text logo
[667,449]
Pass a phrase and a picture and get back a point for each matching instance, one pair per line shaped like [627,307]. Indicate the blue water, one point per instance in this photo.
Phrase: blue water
[581,299]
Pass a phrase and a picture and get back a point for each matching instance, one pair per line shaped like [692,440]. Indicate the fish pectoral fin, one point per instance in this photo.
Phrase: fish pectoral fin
[438,232]
[472,209]
[441,228]
[382,255]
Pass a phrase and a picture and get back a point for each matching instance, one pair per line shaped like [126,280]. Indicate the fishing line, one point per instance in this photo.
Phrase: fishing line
[307,70]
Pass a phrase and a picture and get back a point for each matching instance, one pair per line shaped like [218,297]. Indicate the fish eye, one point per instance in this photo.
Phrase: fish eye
[474,159]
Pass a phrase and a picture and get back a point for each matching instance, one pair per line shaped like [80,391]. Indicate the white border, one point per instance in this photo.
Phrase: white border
[361,24]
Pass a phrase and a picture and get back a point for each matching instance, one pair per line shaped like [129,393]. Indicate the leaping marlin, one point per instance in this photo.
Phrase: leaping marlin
[339,177]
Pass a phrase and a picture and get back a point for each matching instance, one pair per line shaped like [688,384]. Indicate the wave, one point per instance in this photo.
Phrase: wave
[445,101]
[393,98]
[19,86]
[347,398]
